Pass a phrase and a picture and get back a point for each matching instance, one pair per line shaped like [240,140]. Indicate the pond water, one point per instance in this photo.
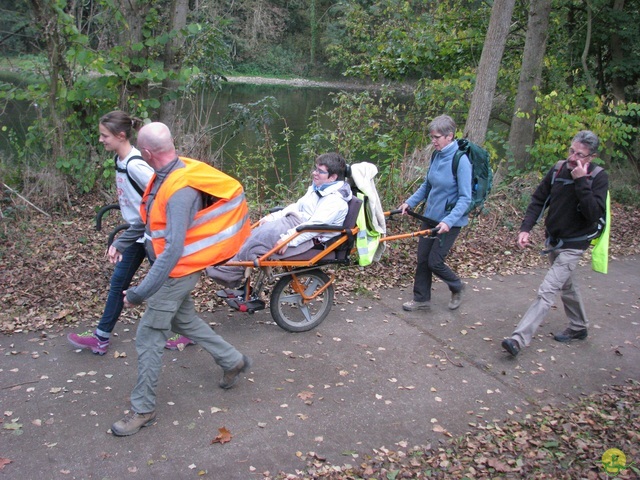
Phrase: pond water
[295,106]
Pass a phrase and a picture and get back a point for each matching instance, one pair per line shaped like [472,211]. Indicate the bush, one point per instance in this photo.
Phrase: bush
[276,60]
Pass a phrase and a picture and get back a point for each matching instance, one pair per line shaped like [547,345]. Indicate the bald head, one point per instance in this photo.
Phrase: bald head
[156,144]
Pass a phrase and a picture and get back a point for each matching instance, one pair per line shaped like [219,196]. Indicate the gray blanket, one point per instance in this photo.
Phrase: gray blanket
[262,239]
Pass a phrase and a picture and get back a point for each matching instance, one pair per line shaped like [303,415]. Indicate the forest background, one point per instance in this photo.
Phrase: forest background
[521,77]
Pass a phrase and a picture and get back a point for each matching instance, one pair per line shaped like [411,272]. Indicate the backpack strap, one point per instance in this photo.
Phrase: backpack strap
[463,149]
[125,170]
[556,169]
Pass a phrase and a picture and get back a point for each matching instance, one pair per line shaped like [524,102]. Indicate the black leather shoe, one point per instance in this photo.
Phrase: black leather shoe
[232,375]
[569,335]
[511,346]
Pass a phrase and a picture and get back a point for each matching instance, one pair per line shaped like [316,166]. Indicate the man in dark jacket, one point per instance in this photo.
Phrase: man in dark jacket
[575,193]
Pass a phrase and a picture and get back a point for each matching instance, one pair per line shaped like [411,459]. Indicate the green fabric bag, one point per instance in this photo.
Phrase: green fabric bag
[600,252]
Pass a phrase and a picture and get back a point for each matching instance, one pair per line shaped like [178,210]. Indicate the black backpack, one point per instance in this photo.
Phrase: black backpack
[133,183]
[481,173]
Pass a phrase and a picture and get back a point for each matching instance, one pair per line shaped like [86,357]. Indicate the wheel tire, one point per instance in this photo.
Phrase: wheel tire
[286,305]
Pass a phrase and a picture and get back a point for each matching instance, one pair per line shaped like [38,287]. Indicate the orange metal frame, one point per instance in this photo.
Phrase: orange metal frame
[265,261]
[290,266]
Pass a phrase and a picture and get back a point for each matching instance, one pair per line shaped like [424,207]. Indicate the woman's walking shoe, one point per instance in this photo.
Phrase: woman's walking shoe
[412,306]
[456,298]
[178,342]
[89,340]
[132,423]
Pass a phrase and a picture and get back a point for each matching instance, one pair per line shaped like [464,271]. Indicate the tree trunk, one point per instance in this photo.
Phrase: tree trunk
[172,65]
[585,52]
[521,134]
[618,83]
[48,21]
[134,13]
[487,75]
[314,31]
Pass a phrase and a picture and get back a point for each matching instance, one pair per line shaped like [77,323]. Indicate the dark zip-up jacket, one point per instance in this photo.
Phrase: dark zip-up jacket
[574,206]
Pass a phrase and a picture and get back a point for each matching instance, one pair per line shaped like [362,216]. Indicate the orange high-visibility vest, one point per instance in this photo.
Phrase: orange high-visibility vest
[217,231]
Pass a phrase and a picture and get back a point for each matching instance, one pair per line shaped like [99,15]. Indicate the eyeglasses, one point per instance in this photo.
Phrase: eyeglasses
[319,172]
[579,155]
[436,137]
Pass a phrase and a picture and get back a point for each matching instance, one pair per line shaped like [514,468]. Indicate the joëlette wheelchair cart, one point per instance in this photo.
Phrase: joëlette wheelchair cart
[303,292]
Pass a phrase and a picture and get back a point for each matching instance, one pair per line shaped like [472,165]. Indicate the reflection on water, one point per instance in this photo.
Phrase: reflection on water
[295,106]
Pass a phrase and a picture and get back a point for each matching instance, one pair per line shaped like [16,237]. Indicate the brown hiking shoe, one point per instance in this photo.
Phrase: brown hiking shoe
[232,375]
[132,423]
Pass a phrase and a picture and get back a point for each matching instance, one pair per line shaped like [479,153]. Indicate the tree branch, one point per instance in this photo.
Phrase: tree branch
[27,201]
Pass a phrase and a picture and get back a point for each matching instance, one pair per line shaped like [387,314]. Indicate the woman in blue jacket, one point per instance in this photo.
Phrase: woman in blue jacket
[446,200]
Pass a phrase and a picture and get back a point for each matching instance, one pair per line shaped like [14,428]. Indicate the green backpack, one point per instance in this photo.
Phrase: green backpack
[481,173]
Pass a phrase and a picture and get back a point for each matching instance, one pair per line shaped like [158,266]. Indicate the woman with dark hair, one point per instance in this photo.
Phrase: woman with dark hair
[325,203]
[132,176]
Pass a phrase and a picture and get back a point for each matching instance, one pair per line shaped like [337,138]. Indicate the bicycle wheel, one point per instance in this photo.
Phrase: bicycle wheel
[288,308]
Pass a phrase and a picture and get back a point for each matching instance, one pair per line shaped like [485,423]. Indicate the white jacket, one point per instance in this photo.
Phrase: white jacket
[321,207]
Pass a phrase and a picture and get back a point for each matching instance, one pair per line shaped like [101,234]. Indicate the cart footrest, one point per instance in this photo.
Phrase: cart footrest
[249,306]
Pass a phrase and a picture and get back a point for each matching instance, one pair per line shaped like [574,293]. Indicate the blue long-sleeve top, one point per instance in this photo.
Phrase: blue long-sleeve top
[447,200]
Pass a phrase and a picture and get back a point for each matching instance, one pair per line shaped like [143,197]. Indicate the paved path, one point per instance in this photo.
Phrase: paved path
[370,376]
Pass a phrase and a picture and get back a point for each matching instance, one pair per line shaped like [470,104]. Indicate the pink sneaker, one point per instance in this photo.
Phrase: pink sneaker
[88,340]
[178,342]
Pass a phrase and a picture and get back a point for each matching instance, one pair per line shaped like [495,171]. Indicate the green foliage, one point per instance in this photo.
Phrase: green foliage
[572,30]
[266,183]
[438,43]
[561,115]
[451,95]
[205,48]
[276,60]
[71,97]
[399,39]
[626,194]
[386,40]
[364,127]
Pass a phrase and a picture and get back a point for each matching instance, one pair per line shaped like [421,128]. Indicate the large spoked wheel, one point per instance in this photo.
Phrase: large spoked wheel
[288,307]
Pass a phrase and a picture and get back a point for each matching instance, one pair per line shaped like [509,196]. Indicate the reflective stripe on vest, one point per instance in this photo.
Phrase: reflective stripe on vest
[217,232]
[207,242]
[210,216]
[367,239]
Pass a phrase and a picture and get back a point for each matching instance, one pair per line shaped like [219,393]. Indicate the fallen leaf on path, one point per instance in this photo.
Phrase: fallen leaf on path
[441,429]
[305,395]
[223,436]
